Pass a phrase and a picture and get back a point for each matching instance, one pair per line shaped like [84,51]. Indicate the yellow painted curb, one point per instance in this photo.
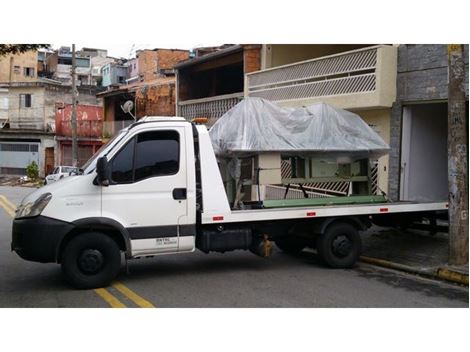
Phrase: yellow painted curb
[453,276]
[440,273]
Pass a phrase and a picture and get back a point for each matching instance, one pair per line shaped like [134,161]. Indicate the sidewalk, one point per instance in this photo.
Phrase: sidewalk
[412,251]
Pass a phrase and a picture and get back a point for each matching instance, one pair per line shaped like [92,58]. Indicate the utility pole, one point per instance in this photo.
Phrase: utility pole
[74,111]
[457,158]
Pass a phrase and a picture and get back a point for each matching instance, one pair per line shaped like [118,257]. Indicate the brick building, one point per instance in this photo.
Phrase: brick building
[151,87]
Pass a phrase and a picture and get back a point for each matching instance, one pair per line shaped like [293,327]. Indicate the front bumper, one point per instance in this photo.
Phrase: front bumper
[37,239]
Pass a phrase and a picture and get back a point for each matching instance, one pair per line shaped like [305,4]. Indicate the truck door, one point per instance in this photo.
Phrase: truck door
[147,192]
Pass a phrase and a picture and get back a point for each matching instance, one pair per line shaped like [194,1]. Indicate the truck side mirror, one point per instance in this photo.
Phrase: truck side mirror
[103,170]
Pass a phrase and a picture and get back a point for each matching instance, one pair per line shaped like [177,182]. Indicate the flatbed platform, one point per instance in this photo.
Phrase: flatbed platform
[312,211]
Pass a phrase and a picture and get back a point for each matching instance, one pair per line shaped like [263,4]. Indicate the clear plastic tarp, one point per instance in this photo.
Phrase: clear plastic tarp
[256,125]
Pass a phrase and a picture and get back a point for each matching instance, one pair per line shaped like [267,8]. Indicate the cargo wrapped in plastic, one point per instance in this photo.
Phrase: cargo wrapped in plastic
[322,131]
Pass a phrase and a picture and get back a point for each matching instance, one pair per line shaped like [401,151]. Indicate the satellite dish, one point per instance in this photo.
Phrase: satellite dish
[127,107]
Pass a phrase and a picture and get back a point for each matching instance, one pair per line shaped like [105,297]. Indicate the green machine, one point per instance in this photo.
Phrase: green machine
[264,147]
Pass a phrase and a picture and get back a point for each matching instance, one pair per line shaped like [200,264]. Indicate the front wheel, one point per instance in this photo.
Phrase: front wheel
[339,246]
[91,260]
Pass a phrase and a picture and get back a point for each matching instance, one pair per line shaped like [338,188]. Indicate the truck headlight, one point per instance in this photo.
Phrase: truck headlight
[35,208]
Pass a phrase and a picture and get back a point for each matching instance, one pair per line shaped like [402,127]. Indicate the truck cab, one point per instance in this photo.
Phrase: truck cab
[146,205]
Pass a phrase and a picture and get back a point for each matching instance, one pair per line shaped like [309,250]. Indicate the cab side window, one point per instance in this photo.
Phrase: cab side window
[157,154]
[122,170]
[148,154]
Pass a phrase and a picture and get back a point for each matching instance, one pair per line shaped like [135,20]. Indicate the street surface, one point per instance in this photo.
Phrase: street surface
[233,279]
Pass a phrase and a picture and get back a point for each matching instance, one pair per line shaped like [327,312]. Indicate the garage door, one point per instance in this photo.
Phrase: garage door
[15,156]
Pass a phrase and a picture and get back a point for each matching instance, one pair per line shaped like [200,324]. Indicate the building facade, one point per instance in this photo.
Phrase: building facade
[89,132]
[60,65]
[19,68]
[151,87]
[418,125]
[113,73]
[29,133]
[210,84]
[359,78]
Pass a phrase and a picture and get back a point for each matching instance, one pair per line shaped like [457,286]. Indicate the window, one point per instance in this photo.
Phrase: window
[147,155]
[157,154]
[16,69]
[121,79]
[26,100]
[29,71]
[122,164]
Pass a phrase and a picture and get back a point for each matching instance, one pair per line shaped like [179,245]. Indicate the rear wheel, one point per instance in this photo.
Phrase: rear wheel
[91,260]
[339,246]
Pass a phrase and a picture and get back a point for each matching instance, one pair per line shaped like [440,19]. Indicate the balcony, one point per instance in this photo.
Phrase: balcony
[212,107]
[363,78]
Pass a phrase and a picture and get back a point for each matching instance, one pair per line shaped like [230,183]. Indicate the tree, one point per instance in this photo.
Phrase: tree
[6,49]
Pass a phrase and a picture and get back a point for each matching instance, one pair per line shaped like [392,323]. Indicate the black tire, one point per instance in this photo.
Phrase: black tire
[340,245]
[91,260]
[290,246]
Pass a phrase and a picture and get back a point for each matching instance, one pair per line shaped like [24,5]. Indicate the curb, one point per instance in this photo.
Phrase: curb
[435,273]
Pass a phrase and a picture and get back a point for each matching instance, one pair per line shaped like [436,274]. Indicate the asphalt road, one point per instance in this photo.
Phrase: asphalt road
[234,279]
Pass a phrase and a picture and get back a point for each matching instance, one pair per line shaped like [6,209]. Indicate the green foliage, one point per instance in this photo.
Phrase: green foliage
[32,170]
[14,49]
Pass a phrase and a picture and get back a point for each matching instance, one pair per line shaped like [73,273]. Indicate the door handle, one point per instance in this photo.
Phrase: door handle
[179,193]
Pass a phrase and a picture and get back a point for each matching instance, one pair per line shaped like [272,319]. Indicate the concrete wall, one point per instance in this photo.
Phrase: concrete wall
[31,118]
[8,63]
[133,68]
[282,54]
[422,77]
[379,120]
[44,99]
[3,104]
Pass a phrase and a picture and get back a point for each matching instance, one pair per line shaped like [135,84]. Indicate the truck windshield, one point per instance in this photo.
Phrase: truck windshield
[104,150]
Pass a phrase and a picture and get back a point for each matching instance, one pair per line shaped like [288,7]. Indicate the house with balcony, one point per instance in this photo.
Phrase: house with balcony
[60,64]
[359,78]
[210,84]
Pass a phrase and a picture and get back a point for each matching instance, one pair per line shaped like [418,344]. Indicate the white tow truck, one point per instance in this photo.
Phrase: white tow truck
[156,188]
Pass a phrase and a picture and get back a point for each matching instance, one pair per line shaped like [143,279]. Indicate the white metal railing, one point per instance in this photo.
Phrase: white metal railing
[343,73]
[212,107]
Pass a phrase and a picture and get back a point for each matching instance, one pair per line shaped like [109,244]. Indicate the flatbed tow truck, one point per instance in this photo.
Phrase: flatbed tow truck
[156,188]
